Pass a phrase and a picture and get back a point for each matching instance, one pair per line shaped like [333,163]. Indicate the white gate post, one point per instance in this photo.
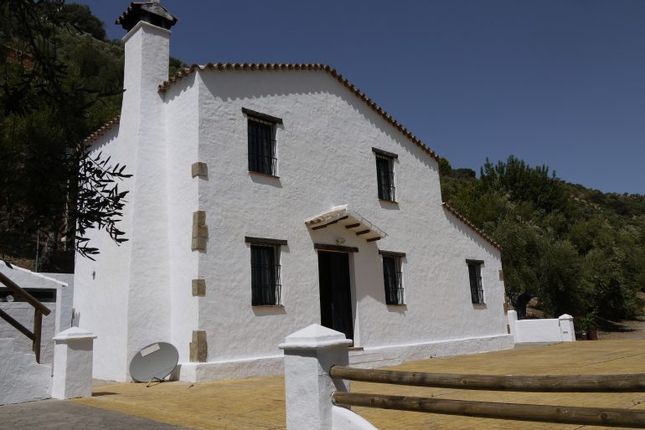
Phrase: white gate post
[73,364]
[567,331]
[511,316]
[308,355]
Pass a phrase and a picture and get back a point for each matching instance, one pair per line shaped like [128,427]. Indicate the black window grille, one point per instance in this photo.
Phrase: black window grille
[393,280]
[265,275]
[385,177]
[475,275]
[262,154]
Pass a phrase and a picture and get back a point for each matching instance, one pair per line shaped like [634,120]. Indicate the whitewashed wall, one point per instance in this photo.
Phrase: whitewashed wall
[21,378]
[182,129]
[124,297]
[140,292]
[559,329]
[101,286]
[59,318]
[24,314]
[325,159]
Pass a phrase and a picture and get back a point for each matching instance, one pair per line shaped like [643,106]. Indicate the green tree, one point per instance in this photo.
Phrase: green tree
[57,85]
[580,251]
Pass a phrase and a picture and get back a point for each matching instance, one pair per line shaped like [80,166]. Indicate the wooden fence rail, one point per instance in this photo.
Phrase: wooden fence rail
[609,417]
[563,383]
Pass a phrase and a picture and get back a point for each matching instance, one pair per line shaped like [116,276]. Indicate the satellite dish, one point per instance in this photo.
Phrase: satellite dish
[155,361]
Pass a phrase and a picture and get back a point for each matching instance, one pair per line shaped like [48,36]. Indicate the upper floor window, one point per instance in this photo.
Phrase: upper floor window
[392,277]
[265,271]
[475,276]
[385,174]
[262,142]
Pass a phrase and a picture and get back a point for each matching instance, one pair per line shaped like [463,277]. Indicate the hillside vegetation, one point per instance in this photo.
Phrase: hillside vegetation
[580,251]
[61,79]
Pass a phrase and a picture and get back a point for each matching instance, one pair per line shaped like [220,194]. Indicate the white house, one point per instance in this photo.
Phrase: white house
[264,198]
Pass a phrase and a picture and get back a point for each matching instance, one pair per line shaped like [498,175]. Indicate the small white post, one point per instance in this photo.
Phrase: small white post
[308,355]
[73,364]
[567,331]
[511,316]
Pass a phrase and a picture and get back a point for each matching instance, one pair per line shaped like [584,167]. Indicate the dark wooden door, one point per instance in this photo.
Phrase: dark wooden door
[335,294]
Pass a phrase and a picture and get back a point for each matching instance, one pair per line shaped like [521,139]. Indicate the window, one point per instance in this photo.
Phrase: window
[262,144]
[475,276]
[385,174]
[392,278]
[265,271]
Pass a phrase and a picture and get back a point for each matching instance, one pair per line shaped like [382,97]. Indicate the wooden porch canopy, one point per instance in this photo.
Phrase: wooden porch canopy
[351,220]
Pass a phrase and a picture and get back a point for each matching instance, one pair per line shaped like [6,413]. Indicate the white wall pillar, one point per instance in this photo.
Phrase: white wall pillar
[511,315]
[567,331]
[308,355]
[73,364]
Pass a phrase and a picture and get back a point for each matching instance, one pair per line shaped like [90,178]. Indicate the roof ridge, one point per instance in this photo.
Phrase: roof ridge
[302,66]
[102,130]
[471,225]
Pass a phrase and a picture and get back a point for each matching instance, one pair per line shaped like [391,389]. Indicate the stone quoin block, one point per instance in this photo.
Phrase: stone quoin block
[199,287]
[199,169]
[198,347]
[200,231]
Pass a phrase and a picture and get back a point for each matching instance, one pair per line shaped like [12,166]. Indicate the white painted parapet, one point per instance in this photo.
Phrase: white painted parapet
[21,378]
[73,364]
[308,355]
[541,330]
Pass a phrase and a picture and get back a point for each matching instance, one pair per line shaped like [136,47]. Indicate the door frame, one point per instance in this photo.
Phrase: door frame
[352,284]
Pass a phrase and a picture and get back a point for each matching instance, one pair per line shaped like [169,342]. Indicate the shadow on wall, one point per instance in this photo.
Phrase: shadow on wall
[260,178]
[262,311]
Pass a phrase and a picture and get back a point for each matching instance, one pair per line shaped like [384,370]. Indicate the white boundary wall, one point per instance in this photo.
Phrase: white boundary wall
[58,320]
[541,330]
[22,379]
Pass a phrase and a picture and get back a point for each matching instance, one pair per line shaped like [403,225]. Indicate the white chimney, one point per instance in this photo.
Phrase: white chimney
[142,133]
[147,51]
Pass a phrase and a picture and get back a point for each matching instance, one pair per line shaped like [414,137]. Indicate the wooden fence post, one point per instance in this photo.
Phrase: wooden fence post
[38,325]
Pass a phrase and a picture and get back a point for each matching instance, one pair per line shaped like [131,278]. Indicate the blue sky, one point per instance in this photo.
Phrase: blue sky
[555,82]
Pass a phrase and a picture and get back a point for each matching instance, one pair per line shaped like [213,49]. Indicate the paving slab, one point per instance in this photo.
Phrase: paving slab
[258,403]
[58,414]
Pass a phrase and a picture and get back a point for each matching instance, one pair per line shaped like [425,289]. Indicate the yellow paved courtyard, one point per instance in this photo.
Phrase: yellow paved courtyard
[258,403]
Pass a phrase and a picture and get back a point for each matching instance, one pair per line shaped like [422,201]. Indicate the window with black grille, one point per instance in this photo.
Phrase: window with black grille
[385,174]
[262,142]
[265,271]
[475,276]
[392,278]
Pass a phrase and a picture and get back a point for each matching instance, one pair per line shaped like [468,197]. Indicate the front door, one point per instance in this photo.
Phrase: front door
[335,294]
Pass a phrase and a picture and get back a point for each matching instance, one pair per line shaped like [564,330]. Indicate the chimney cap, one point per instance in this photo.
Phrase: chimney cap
[149,11]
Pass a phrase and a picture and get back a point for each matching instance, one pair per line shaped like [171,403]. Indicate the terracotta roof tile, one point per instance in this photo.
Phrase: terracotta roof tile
[471,225]
[316,67]
[101,130]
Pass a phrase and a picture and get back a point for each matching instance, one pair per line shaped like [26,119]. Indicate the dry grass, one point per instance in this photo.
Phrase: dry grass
[257,403]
